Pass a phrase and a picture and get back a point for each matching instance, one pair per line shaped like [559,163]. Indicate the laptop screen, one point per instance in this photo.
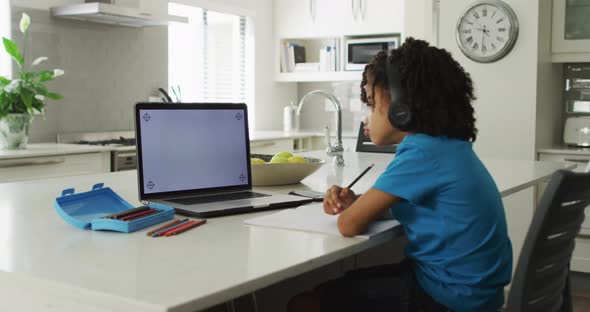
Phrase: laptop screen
[192,149]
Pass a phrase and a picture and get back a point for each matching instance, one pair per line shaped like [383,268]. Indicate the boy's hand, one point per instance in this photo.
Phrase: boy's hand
[337,199]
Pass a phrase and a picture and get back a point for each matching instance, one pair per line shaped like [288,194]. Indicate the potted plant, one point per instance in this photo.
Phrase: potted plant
[23,96]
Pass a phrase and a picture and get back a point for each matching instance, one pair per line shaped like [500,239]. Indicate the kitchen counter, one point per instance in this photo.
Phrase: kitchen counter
[257,135]
[224,259]
[51,149]
[566,150]
[55,149]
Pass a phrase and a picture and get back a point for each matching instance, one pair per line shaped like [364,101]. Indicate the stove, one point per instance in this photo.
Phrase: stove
[123,154]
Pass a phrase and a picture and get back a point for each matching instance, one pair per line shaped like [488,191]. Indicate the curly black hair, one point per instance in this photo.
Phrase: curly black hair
[437,89]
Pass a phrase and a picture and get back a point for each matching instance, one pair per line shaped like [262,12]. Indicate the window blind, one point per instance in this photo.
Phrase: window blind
[207,56]
[5,60]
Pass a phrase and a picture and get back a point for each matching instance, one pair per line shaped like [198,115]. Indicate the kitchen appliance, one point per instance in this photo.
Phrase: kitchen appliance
[577,131]
[360,51]
[123,153]
[107,12]
[577,88]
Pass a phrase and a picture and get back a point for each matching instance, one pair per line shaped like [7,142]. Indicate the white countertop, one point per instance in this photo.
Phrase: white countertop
[54,149]
[572,150]
[220,260]
[51,149]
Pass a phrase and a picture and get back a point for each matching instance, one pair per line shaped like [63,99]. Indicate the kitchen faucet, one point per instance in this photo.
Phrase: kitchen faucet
[332,150]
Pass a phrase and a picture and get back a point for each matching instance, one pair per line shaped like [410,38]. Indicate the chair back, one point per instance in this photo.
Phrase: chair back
[364,144]
[541,281]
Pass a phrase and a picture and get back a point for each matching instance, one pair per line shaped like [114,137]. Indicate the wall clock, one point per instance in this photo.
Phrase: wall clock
[487,30]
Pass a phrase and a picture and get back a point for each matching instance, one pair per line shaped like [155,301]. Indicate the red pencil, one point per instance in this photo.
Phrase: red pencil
[185,228]
[174,227]
[139,214]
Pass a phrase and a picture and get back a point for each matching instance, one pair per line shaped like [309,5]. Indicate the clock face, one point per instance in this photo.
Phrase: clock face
[487,31]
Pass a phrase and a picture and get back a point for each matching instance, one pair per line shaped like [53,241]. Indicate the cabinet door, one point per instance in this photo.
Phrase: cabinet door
[294,18]
[335,17]
[570,27]
[53,166]
[379,16]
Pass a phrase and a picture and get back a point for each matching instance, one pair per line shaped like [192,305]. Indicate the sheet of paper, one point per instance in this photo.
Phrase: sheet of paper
[312,218]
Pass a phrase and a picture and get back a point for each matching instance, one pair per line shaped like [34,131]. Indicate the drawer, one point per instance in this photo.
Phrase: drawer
[271,146]
[581,257]
[30,168]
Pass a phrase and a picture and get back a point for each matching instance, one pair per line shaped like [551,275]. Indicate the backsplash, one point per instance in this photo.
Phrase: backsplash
[314,115]
[107,70]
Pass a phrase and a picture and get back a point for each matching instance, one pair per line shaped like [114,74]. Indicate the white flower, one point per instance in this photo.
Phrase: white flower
[38,60]
[40,97]
[11,86]
[57,72]
[25,21]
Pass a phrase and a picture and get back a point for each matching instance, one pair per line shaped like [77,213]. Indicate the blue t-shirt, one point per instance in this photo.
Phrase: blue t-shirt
[454,220]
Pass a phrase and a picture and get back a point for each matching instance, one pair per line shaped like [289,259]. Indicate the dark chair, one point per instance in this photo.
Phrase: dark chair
[541,281]
[364,144]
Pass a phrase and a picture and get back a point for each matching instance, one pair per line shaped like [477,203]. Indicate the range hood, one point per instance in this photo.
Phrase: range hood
[112,14]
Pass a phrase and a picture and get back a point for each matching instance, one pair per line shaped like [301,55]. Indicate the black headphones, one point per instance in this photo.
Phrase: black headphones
[399,111]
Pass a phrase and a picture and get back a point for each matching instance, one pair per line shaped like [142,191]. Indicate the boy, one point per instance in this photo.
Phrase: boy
[459,256]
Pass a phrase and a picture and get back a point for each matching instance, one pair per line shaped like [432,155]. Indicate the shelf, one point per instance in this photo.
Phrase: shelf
[320,76]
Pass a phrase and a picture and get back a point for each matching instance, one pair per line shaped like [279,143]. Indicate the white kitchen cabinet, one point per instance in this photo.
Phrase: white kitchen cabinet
[29,168]
[293,18]
[570,31]
[378,17]
[581,257]
[321,18]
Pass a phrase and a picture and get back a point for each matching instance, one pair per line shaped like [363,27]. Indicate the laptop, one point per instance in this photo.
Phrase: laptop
[195,157]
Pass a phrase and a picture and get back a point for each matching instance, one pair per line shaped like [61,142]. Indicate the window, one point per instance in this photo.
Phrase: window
[207,57]
[5,61]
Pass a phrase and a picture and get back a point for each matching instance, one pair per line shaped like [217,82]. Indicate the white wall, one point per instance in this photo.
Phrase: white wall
[269,96]
[5,60]
[506,89]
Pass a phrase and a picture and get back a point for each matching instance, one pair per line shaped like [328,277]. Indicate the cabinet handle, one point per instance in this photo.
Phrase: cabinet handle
[312,10]
[362,10]
[33,163]
[577,160]
[263,144]
[353,8]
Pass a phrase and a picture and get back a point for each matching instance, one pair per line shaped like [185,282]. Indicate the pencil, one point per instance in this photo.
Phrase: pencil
[163,227]
[161,232]
[138,215]
[360,176]
[127,212]
[185,228]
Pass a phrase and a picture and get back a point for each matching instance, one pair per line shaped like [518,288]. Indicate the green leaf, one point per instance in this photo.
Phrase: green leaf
[4,81]
[54,96]
[45,75]
[40,89]
[27,97]
[12,49]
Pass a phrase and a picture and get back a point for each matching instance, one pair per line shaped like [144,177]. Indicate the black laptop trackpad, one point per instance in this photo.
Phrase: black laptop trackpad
[215,198]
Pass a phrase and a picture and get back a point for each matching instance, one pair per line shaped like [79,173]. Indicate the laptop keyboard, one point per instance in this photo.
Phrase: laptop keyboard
[215,198]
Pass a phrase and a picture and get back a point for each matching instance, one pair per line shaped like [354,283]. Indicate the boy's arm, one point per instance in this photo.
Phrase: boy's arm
[367,208]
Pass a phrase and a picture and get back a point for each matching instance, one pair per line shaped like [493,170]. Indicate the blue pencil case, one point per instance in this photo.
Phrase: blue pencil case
[85,210]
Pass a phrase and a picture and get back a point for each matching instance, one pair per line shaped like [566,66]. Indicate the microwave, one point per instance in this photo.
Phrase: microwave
[359,52]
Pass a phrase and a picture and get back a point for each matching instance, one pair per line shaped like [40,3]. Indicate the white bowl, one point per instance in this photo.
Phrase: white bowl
[282,173]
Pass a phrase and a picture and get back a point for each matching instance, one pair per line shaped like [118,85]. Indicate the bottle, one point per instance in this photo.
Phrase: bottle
[288,117]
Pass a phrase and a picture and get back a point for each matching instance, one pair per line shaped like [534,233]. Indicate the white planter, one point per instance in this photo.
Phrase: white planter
[14,131]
